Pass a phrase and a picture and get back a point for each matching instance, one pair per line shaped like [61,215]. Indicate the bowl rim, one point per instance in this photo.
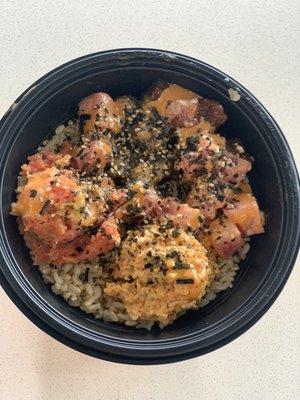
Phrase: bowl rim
[188,346]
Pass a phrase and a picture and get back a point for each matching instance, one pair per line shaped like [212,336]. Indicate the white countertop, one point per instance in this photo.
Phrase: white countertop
[256,43]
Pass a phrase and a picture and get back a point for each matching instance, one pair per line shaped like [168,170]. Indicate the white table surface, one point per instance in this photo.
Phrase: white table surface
[256,42]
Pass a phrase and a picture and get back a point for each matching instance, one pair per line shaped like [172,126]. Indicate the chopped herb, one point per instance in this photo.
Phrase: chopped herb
[200,171]
[173,140]
[161,265]
[184,281]
[33,193]
[94,230]
[110,203]
[169,224]
[175,233]
[183,189]
[173,254]
[84,277]
[166,187]
[179,264]
[168,129]
[45,207]
[149,265]
[85,117]
[192,143]
[155,113]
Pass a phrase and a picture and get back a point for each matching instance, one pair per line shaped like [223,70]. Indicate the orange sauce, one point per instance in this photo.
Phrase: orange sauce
[172,92]
[28,204]
[109,115]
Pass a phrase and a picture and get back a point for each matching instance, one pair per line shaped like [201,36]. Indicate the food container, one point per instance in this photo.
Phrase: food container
[51,101]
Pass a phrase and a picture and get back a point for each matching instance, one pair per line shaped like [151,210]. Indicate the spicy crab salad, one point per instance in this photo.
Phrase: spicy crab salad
[137,211]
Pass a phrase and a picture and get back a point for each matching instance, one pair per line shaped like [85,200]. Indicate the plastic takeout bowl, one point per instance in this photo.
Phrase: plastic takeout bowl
[51,101]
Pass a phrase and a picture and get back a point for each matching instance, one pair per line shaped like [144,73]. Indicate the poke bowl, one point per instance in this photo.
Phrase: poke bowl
[158,194]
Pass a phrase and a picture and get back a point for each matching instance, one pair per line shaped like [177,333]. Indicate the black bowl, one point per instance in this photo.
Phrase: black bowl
[51,101]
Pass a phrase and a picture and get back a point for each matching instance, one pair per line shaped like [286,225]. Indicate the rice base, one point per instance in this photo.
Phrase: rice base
[82,285]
